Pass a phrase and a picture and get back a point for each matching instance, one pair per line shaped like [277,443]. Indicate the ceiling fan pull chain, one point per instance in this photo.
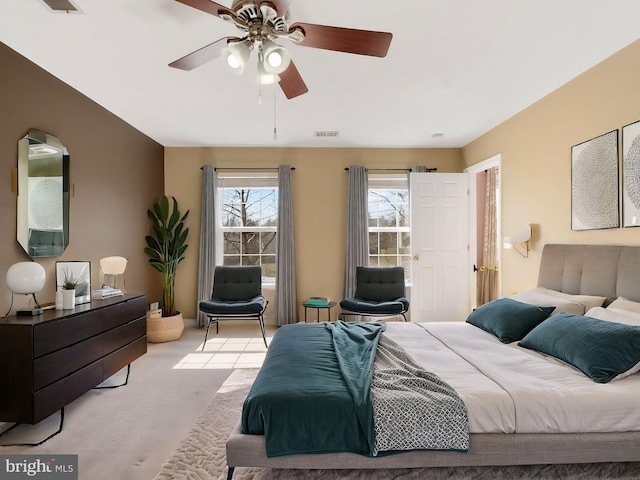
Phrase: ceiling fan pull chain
[275,129]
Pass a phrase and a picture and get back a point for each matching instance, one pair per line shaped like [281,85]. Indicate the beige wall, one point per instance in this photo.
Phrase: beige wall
[536,146]
[116,171]
[319,186]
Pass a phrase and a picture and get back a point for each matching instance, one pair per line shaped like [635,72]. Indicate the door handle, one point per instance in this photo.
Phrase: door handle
[416,258]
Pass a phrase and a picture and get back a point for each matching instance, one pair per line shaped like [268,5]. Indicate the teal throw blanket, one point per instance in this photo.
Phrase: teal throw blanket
[312,394]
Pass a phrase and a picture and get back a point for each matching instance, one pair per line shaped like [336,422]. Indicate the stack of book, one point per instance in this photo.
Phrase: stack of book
[317,302]
[105,292]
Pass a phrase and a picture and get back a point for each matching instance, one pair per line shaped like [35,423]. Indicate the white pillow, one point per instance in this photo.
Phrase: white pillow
[589,301]
[536,297]
[622,303]
[616,316]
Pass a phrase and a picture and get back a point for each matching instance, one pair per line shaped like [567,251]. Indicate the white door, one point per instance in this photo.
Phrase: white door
[441,270]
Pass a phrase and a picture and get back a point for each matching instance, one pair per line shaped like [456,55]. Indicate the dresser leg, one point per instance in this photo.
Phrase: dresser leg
[33,444]
[116,386]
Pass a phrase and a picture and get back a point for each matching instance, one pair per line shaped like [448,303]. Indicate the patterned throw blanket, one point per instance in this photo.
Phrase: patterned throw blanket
[414,409]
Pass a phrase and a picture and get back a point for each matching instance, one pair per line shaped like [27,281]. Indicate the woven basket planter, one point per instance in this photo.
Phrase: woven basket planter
[164,329]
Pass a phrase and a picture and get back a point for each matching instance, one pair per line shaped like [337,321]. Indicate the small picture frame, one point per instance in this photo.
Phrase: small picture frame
[81,272]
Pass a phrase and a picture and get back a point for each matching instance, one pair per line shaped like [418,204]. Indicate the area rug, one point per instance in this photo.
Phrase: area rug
[201,454]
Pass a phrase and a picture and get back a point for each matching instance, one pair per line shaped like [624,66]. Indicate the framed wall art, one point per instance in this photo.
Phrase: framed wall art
[595,200]
[80,271]
[631,175]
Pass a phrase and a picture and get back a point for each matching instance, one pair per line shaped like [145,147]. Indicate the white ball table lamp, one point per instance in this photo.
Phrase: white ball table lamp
[26,278]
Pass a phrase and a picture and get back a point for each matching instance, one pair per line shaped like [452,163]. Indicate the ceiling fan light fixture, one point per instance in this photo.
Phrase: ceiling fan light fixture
[236,56]
[276,58]
[265,77]
[233,61]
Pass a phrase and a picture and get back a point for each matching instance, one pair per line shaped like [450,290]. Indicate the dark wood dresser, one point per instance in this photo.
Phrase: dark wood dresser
[48,361]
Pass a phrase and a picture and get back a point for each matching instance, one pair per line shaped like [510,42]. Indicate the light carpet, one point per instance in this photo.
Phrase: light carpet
[128,433]
[201,454]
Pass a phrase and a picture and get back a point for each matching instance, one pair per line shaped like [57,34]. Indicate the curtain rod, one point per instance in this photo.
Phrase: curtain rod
[346,169]
[259,169]
[430,169]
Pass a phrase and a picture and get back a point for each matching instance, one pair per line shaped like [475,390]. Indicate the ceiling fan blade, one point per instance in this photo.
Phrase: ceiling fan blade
[209,7]
[281,6]
[202,55]
[348,40]
[292,83]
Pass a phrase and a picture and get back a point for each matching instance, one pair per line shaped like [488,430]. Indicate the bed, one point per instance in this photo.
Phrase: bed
[548,413]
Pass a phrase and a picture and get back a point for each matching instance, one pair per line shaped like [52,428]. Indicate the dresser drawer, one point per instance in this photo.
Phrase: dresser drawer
[54,366]
[123,335]
[61,333]
[51,368]
[123,356]
[52,398]
[129,310]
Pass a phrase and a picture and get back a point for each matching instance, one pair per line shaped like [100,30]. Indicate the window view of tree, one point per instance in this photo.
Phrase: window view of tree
[389,228]
[249,225]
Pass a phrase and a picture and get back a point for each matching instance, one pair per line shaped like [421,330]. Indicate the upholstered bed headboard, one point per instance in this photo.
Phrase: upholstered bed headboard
[605,270]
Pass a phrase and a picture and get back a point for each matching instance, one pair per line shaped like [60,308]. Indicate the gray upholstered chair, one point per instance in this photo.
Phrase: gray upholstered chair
[237,295]
[380,292]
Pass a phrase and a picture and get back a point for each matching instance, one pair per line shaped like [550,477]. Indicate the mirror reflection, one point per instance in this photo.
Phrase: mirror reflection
[43,195]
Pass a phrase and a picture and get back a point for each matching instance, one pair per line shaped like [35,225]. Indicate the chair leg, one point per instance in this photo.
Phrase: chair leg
[206,333]
[404,317]
[264,336]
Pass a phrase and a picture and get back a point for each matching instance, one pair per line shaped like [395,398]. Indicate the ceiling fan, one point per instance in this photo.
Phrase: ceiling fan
[265,22]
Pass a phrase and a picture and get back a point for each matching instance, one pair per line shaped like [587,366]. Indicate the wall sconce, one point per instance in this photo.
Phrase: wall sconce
[26,278]
[520,242]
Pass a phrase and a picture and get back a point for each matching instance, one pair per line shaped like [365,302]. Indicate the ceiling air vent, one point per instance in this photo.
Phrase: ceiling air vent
[61,5]
[326,133]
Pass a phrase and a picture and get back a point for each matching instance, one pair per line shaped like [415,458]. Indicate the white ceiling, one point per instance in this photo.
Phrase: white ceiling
[457,67]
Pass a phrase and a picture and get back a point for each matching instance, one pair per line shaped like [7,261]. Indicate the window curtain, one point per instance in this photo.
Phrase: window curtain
[286,300]
[357,251]
[207,255]
[488,280]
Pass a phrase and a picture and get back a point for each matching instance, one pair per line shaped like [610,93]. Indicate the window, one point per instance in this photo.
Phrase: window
[248,220]
[389,226]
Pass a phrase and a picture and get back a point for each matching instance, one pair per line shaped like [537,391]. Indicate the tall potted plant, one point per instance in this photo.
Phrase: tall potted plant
[166,248]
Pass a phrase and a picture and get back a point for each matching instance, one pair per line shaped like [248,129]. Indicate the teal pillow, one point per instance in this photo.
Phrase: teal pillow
[601,350]
[508,319]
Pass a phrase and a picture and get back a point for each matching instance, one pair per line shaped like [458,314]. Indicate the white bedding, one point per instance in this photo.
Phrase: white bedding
[510,389]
